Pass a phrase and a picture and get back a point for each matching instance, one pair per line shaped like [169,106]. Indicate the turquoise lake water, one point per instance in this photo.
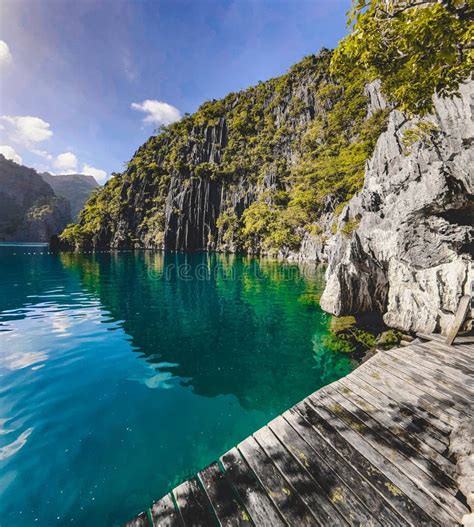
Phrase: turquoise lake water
[123,374]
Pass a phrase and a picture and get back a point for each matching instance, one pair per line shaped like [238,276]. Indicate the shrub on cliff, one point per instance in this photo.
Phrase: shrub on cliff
[416,48]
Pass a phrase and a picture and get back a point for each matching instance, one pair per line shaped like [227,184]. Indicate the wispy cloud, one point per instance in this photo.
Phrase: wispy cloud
[5,54]
[129,66]
[158,112]
[42,153]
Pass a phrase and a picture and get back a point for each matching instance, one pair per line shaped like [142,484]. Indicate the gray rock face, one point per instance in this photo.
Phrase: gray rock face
[75,188]
[188,208]
[461,449]
[404,243]
[192,208]
[29,209]
[409,254]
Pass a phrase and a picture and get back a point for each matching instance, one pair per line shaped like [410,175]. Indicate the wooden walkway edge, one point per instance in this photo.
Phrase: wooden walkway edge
[370,449]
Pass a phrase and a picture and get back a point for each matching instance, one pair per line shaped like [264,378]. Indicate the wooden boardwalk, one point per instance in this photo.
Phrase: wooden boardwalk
[369,449]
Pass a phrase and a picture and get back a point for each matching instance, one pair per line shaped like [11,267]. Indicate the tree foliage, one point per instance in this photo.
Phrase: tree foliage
[417,48]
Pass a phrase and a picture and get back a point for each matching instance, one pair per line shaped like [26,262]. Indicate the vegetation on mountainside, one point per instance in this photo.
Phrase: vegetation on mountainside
[300,140]
[416,48]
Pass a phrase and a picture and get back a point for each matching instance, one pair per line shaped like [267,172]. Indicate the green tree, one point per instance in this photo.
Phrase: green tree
[417,48]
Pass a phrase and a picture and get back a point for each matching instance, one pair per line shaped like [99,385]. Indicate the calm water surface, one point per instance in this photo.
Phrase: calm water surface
[123,374]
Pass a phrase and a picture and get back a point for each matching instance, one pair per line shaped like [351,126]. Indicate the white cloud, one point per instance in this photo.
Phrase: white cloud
[42,153]
[66,163]
[129,66]
[99,174]
[10,153]
[27,130]
[5,55]
[158,112]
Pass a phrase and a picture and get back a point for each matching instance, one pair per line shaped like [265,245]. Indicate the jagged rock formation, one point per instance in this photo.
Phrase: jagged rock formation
[461,449]
[409,253]
[29,209]
[401,247]
[187,188]
[75,188]
[35,207]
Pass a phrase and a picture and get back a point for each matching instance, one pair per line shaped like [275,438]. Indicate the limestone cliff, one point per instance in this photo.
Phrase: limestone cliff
[410,248]
[75,188]
[187,187]
[29,209]
[303,167]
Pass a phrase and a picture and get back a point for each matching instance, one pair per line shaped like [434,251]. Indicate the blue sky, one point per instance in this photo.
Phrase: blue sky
[75,74]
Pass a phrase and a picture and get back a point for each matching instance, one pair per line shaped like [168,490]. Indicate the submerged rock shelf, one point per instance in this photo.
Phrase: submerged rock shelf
[370,449]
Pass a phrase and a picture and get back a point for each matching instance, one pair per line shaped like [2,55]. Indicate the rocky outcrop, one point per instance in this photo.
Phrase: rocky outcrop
[405,243]
[179,184]
[29,209]
[402,245]
[44,219]
[461,450]
[35,207]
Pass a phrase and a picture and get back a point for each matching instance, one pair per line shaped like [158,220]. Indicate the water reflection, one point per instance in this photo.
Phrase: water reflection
[223,324]
[123,374]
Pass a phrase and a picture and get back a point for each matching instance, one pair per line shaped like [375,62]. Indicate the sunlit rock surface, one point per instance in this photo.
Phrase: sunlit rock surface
[409,254]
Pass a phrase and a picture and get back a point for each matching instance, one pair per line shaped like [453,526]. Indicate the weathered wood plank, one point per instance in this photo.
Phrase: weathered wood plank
[402,394]
[444,401]
[462,340]
[451,376]
[251,493]
[394,421]
[466,338]
[432,383]
[461,348]
[389,449]
[308,489]
[193,505]
[442,408]
[164,514]
[340,495]
[391,445]
[373,501]
[290,505]
[397,477]
[399,474]
[139,521]
[433,354]
[390,423]
[413,422]
[368,462]
[463,343]
[447,354]
[461,314]
[459,351]
[224,502]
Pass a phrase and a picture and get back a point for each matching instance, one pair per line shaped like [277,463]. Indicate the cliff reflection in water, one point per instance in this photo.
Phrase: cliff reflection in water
[223,324]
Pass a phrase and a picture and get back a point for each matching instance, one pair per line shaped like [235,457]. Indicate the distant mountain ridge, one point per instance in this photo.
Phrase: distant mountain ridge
[76,188]
[35,207]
